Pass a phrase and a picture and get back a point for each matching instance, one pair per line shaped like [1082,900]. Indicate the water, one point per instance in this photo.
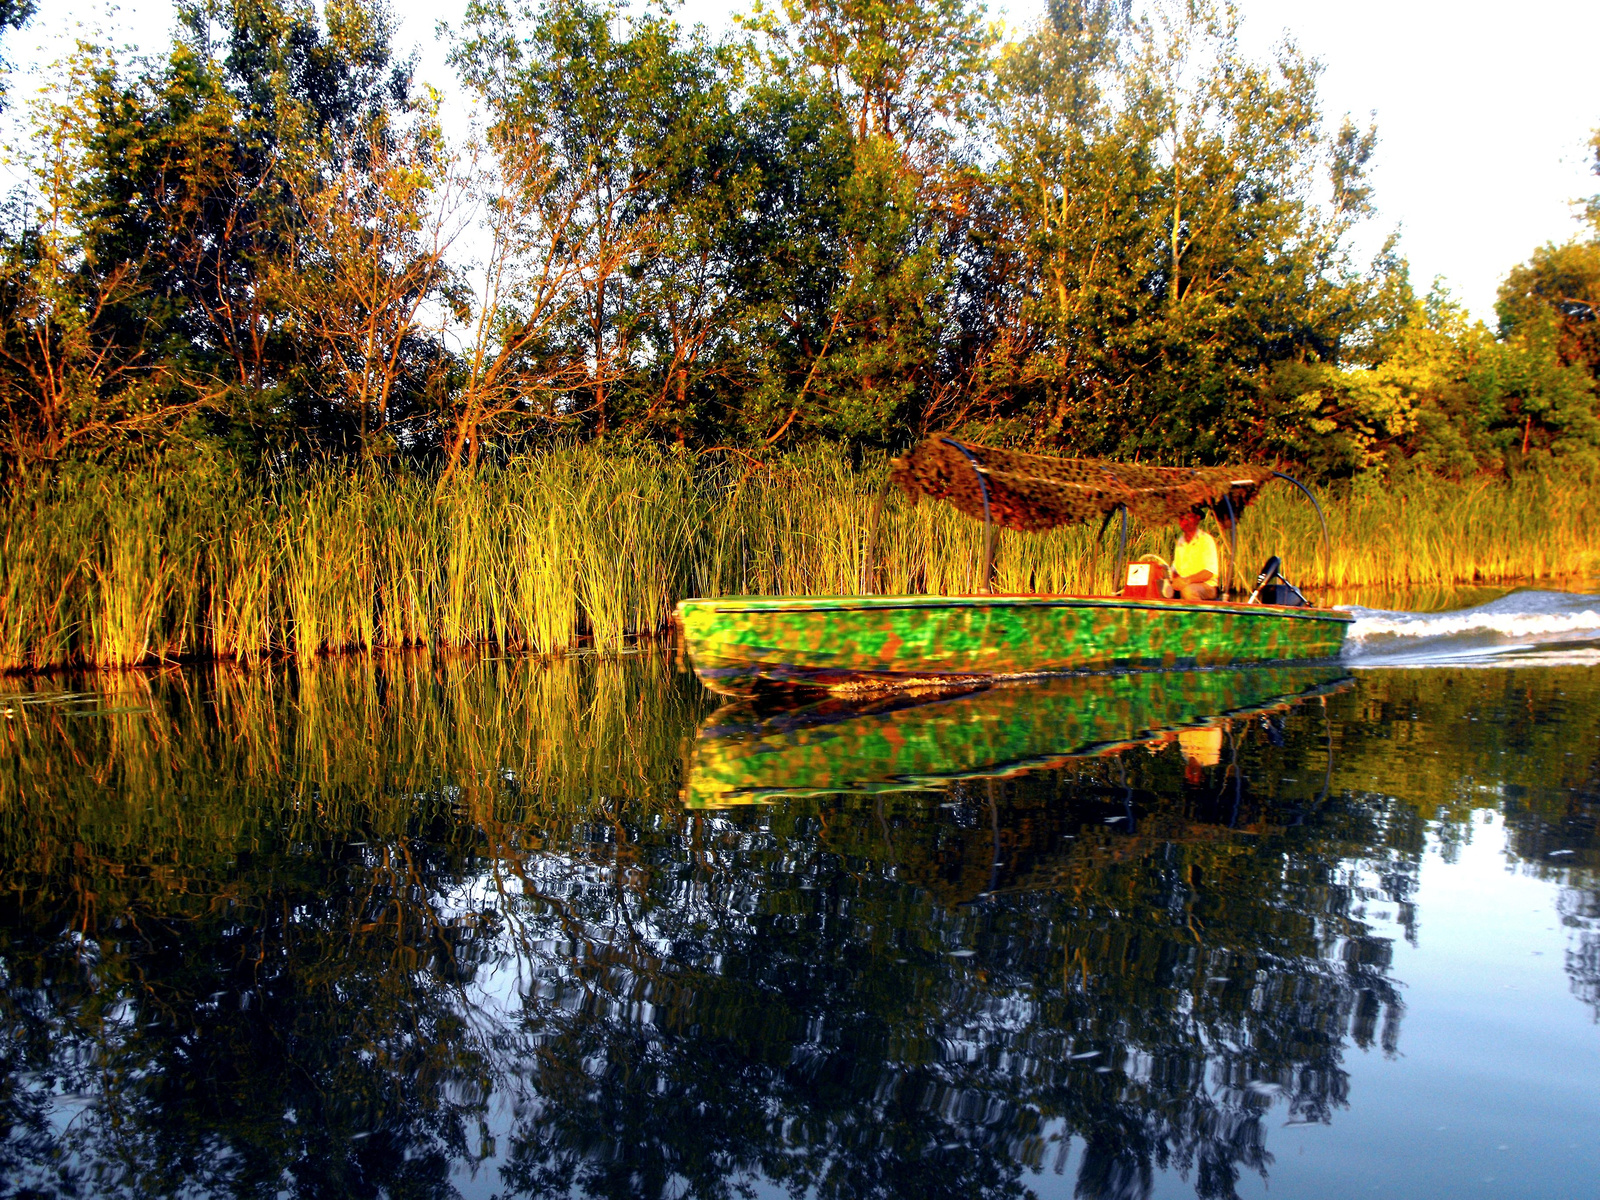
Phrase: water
[1525,625]
[487,927]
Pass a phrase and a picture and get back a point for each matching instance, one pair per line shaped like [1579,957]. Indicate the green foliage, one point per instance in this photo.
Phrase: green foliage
[1445,396]
[854,223]
[902,83]
[1560,283]
[1549,309]
[1591,208]
[14,14]
[625,121]
[186,196]
[1179,219]
[83,365]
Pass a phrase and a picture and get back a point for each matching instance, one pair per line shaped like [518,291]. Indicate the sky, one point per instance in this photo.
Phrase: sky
[1483,111]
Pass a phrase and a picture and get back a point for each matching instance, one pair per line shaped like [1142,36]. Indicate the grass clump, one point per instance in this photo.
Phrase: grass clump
[586,544]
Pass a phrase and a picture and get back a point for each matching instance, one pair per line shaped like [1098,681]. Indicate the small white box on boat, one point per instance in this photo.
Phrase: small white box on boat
[1144,580]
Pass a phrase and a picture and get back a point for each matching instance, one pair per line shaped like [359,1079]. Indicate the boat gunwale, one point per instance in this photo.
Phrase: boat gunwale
[884,603]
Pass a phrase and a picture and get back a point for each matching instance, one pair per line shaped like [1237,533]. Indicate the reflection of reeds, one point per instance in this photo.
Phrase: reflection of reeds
[158,768]
[583,543]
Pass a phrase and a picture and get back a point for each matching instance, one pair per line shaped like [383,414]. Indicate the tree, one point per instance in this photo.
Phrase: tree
[374,229]
[1591,208]
[907,72]
[1183,218]
[81,368]
[1063,233]
[1446,396]
[516,304]
[14,14]
[609,107]
[1549,307]
[194,170]
[1559,285]
[902,81]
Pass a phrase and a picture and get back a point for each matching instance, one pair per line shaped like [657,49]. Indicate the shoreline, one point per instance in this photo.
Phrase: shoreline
[665,640]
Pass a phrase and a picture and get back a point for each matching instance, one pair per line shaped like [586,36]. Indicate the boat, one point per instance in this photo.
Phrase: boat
[860,644]
[747,754]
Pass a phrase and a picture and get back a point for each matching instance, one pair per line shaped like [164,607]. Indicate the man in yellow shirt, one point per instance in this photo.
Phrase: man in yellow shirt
[1194,562]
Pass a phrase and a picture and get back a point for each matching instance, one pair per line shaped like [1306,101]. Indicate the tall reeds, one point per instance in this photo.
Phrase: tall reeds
[586,544]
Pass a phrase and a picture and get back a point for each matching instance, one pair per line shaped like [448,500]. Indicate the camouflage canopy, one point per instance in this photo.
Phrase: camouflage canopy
[1030,493]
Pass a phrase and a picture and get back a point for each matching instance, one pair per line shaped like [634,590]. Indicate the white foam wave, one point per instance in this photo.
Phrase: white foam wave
[1507,626]
[1517,625]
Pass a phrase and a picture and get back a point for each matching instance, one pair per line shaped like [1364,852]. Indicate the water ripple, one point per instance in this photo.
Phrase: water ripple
[1554,627]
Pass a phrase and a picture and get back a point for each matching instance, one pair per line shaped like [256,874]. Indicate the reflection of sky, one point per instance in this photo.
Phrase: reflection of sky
[1496,1090]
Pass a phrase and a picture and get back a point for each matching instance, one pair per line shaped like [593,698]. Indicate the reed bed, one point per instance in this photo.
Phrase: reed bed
[586,545]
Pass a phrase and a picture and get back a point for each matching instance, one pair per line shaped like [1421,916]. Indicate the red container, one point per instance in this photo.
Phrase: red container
[1144,580]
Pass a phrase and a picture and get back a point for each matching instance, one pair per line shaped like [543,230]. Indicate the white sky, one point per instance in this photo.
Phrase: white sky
[1483,111]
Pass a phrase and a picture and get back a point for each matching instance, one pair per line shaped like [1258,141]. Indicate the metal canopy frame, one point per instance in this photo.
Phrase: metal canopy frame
[1327,542]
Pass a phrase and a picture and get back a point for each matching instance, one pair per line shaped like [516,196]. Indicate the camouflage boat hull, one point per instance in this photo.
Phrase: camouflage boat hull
[907,743]
[744,645]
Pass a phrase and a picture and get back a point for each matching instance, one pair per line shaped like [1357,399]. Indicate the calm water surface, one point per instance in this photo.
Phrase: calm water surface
[488,927]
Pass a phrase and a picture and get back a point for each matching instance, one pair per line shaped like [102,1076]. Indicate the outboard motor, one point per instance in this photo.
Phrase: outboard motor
[1273,588]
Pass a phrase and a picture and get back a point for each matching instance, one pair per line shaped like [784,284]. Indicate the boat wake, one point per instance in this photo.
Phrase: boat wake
[1525,628]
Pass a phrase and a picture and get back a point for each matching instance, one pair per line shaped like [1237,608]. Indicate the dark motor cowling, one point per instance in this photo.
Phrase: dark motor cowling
[1273,588]
[1284,593]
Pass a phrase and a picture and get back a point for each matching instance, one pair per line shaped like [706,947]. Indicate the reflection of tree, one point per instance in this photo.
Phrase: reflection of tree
[1576,847]
[301,1036]
[1521,741]
[1580,912]
[818,1017]
[347,931]
[222,921]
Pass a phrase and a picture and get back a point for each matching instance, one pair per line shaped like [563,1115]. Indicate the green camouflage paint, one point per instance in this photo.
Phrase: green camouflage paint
[742,645]
[742,756]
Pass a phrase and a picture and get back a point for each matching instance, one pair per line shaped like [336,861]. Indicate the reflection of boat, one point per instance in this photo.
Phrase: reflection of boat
[905,743]
[741,645]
